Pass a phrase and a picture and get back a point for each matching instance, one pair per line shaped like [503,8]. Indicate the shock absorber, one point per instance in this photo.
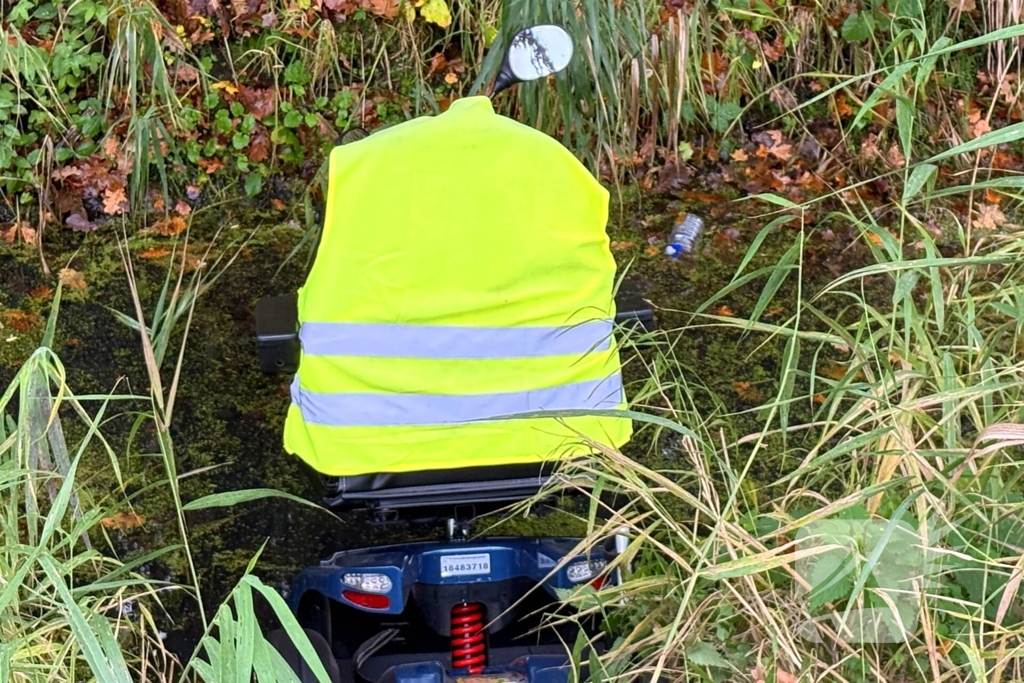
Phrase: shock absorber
[469,643]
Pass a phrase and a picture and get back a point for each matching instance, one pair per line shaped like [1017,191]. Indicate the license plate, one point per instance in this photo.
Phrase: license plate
[465,565]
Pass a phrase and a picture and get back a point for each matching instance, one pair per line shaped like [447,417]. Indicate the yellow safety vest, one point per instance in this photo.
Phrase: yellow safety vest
[464,275]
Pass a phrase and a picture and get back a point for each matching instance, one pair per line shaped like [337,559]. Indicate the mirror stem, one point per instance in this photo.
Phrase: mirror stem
[504,80]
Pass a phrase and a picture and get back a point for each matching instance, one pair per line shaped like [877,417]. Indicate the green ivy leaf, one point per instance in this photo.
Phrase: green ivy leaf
[293,119]
[253,184]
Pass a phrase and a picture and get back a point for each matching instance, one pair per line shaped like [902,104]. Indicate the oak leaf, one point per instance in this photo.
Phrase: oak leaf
[72,279]
[114,200]
[989,217]
[170,226]
[18,231]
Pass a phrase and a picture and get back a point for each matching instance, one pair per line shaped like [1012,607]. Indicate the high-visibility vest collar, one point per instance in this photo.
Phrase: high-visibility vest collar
[476,104]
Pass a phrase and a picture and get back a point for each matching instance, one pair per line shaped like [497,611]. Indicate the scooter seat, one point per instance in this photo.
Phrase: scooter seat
[470,475]
[396,490]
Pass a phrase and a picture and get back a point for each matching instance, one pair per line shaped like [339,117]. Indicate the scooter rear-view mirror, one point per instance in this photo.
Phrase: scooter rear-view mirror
[535,53]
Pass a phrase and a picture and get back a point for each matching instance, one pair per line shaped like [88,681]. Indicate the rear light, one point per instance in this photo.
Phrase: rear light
[368,582]
[598,583]
[578,572]
[367,600]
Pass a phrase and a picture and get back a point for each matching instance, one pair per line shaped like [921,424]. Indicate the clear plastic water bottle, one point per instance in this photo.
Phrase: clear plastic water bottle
[684,236]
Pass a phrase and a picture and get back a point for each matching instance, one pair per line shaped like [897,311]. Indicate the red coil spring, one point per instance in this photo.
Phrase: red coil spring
[469,649]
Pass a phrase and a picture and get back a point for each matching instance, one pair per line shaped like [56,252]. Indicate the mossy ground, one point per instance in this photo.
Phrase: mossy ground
[228,416]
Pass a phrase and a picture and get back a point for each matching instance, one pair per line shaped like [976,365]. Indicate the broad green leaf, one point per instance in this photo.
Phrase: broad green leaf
[858,26]
[790,366]
[705,654]
[905,285]
[1000,136]
[905,124]
[253,184]
[246,634]
[102,667]
[229,498]
[919,177]
[886,87]
[779,274]
[927,65]
[291,626]
[756,244]
[777,200]
[724,114]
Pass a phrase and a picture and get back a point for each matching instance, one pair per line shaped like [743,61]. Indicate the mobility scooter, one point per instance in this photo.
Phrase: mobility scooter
[454,341]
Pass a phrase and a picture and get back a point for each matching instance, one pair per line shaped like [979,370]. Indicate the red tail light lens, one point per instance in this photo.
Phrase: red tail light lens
[598,583]
[367,600]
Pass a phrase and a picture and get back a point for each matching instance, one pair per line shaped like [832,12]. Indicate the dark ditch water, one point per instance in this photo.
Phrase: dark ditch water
[228,417]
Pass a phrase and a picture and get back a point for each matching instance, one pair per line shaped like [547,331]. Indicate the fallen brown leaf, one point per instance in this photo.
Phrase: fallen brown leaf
[842,108]
[621,246]
[114,200]
[259,145]
[739,155]
[895,157]
[278,204]
[977,125]
[20,320]
[438,63]
[111,146]
[989,217]
[122,521]
[385,8]
[782,676]
[838,371]
[210,166]
[154,252]
[723,311]
[170,226]
[18,231]
[41,293]
[72,279]
[182,207]
[747,391]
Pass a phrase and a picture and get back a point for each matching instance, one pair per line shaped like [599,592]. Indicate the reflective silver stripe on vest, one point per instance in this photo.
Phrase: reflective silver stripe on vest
[452,343]
[406,410]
